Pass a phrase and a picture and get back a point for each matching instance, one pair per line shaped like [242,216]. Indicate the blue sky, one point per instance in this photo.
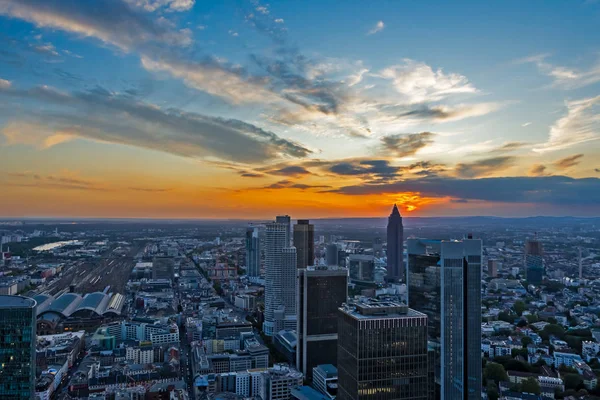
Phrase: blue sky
[364,102]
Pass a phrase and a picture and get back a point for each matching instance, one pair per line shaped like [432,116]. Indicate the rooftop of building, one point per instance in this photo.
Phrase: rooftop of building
[308,393]
[16,302]
[372,308]
[328,369]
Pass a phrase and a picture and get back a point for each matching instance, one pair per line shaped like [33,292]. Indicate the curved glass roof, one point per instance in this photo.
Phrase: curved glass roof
[94,301]
[65,304]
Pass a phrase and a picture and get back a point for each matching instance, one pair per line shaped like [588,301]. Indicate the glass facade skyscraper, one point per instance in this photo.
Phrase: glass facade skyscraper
[321,291]
[17,347]
[444,281]
[252,252]
[382,352]
[304,242]
[534,262]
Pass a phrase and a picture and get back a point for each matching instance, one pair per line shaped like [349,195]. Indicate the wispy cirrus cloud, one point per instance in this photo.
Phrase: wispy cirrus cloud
[378,27]
[93,115]
[562,76]
[115,23]
[568,162]
[581,124]
[167,5]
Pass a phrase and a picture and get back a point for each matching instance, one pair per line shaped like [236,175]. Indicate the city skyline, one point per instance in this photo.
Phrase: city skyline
[184,109]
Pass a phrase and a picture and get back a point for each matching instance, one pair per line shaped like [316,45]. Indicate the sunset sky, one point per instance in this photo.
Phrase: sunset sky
[248,109]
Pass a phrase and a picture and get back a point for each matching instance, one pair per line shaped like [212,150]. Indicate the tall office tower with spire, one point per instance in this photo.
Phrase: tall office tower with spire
[534,261]
[252,252]
[286,220]
[17,347]
[276,239]
[382,352]
[321,291]
[444,282]
[395,246]
[304,242]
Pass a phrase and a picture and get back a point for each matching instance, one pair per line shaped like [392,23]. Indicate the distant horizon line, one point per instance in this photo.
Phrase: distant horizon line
[161,219]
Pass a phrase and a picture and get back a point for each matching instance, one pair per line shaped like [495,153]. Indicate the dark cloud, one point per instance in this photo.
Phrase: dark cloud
[292,170]
[568,162]
[510,146]
[403,145]
[483,167]
[597,169]
[537,170]
[559,190]
[251,174]
[367,169]
[102,115]
[287,184]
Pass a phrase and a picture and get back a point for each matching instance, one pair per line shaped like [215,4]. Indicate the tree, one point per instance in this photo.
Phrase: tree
[506,317]
[572,381]
[526,341]
[530,385]
[519,307]
[522,323]
[555,330]
[492,391]
[532,318]
[495,372]
[516,365]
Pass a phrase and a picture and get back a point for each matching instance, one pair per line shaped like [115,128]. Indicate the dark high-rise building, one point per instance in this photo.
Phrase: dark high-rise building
[444,281]
[331,254]
[285,220]
[377,247]
[382,352]
[534,262]
[304,242]
[252,252]
[321,291]
[395,246]
[17,347]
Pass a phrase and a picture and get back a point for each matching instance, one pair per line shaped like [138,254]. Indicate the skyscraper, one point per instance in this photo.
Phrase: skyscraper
[331,254]
[395,246]
[492,268]
[289,257]
[304,242]
[444,281]
[276,239]
[252,252]
[17,347]
[382,352]
[321,291]
[286,220]
[534,262]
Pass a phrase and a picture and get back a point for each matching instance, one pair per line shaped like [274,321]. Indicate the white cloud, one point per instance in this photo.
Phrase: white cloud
[357,78]
[418,82]
[526,124]
[213,79]
[169,5]
[379,26]
[263,10]
[233,33]
[580,125]
[564,77]
[279,20]
[4,84]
